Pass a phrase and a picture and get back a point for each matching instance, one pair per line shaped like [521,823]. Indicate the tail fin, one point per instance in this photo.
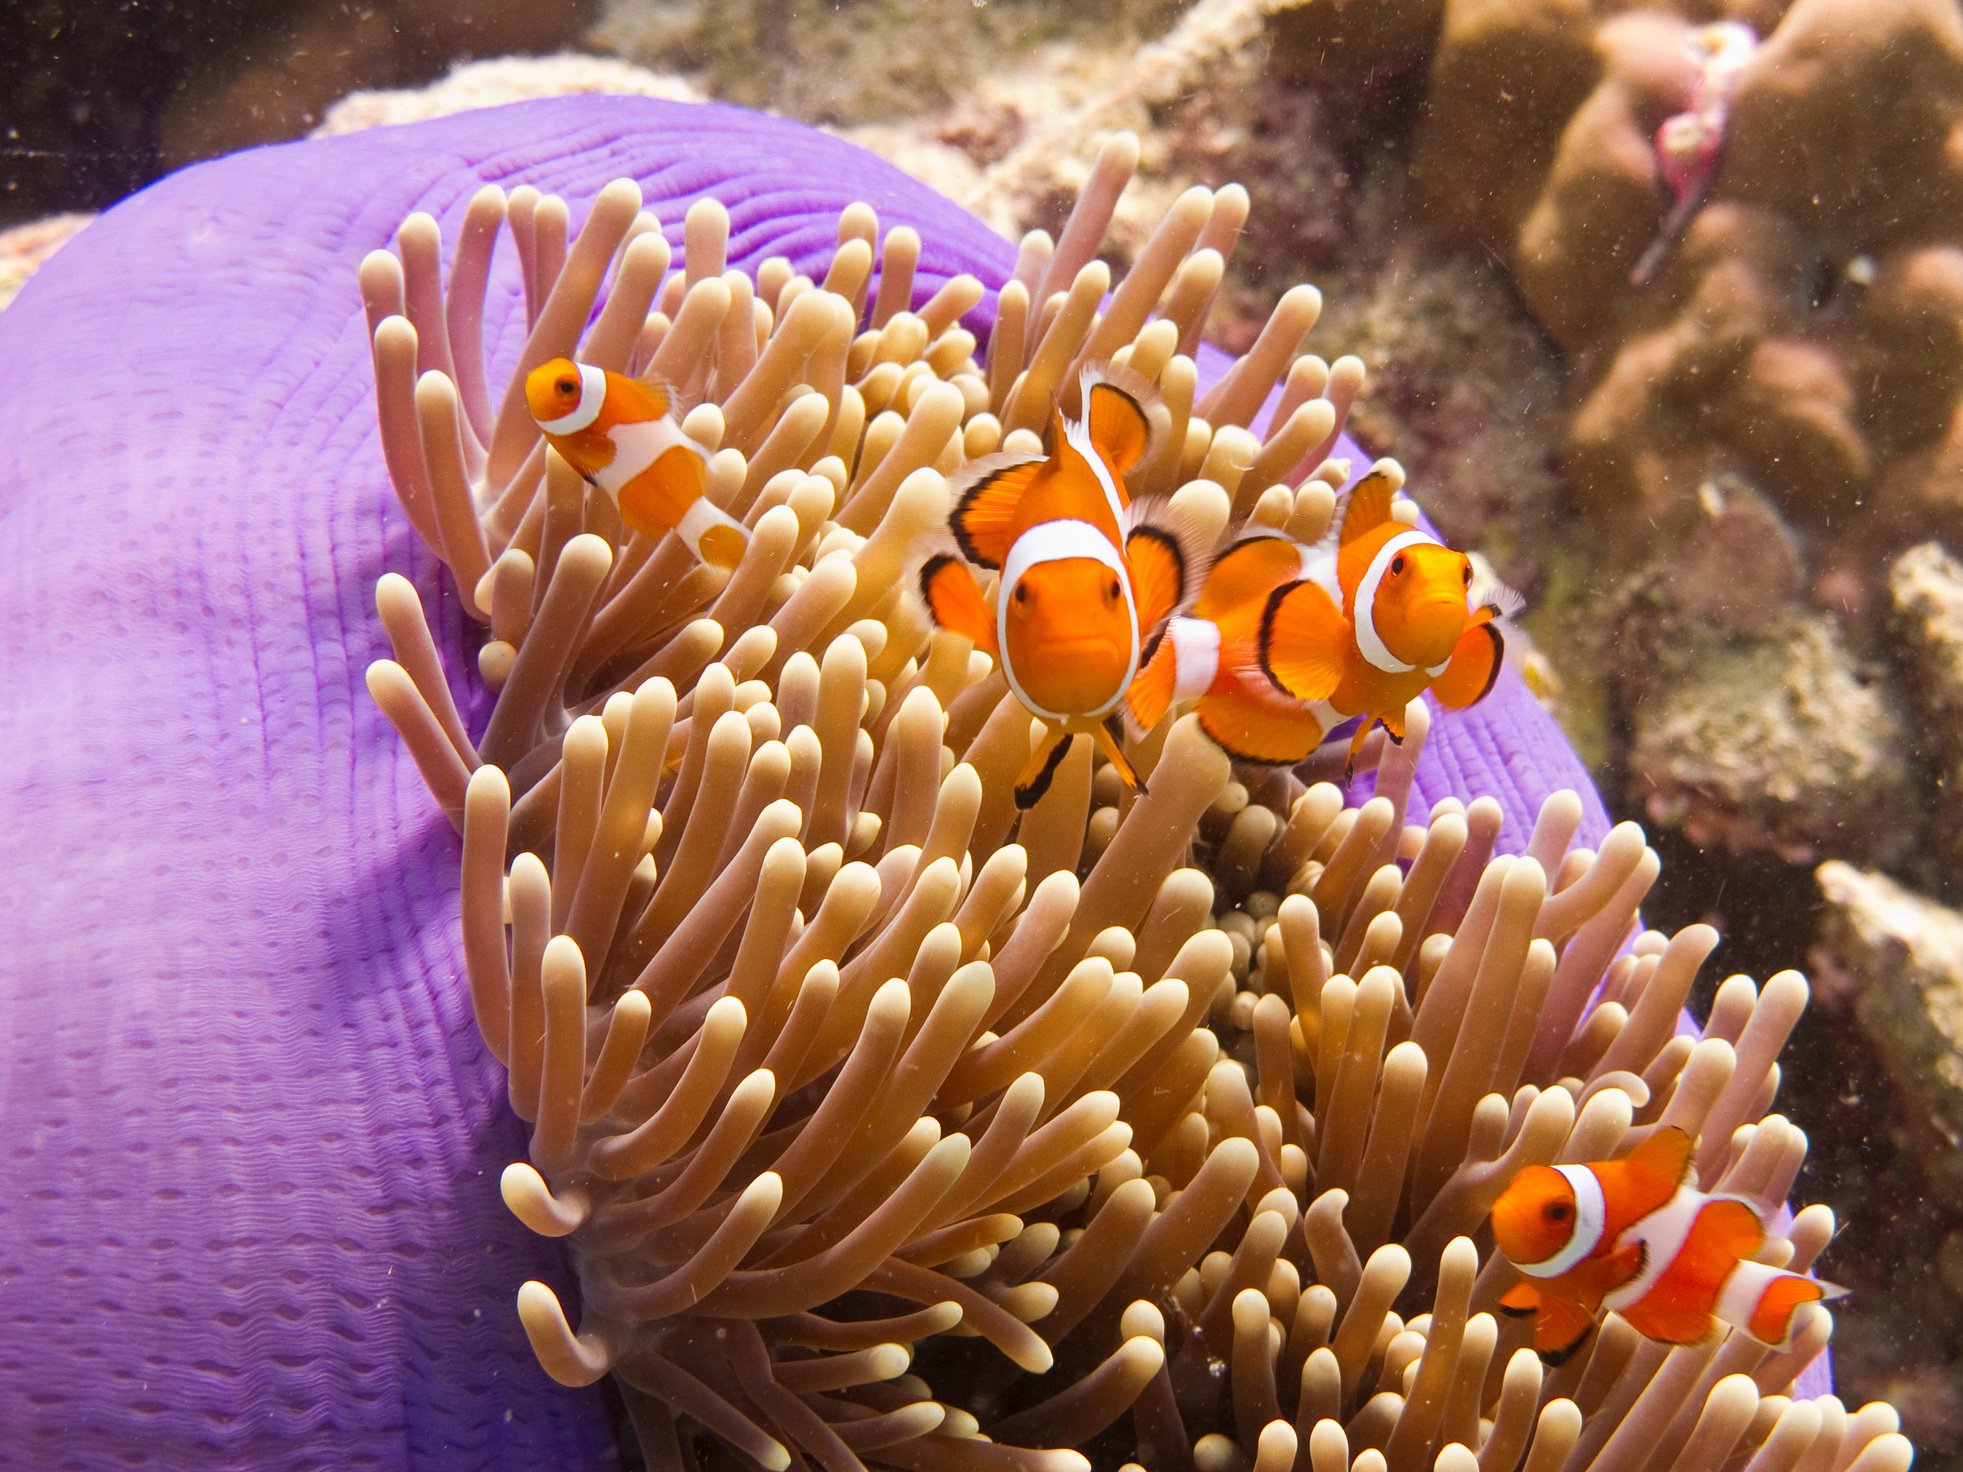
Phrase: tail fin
[1305,641]
[716,536]
[1766,1302]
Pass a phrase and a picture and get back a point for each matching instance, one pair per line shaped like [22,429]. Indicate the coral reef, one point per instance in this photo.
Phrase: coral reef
[1904,955]
[474,84]
[1925,588]
[886,1131]
[1803,328]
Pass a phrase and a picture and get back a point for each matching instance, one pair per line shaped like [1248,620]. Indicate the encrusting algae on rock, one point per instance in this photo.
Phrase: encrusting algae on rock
[887,1127]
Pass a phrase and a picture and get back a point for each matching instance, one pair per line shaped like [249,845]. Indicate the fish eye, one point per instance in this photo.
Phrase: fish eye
[1112,588]
[1558,1211]
[566,387]
[1397,564]
[1022,593]
[1467,574]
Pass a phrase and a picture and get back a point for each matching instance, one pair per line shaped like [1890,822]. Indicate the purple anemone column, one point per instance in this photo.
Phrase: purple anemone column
[249,1139]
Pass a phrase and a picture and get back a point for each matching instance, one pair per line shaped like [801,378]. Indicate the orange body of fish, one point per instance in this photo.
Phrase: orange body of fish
[622,435]
[1287,642]
[1085,577]
[1634,1236]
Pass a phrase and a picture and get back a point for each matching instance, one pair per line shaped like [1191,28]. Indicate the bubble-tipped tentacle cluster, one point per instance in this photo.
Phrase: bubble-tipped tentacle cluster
[889,1127]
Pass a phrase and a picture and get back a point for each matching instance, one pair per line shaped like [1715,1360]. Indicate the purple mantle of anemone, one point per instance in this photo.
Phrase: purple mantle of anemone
[248,1210]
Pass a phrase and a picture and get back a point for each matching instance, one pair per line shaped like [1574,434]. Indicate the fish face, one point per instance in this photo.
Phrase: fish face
[555,391]
[1535,1216]
[1421,609]
[1069,635]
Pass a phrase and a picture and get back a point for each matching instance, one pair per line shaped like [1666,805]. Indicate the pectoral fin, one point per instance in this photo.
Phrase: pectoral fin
[1474,666]
[955,601]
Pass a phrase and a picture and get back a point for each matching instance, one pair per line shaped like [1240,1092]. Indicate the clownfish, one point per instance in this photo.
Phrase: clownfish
[1381,613]
[1214,655]
[622,435]
[1634,1236]
[1085,575]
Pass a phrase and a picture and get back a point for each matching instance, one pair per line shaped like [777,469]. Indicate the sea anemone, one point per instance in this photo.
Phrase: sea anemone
[887,1127]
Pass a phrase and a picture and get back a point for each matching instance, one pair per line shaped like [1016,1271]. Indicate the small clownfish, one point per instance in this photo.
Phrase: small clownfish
[1382,613]
[1214,655]
[1633,1236]
[622,435]
[1086,575]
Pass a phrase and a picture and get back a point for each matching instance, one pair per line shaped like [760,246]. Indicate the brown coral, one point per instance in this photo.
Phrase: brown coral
[1802,330]
[887,1131]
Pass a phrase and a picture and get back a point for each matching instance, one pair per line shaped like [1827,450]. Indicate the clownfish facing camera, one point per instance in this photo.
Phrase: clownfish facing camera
[1381,613]
[1085,577]
[622,435]
[1634,1236]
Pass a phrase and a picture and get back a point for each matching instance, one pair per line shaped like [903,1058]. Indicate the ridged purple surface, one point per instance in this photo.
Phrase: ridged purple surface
[249,1140]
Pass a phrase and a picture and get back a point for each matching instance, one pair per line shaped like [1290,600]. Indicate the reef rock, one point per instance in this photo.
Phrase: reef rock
[1904,953]
[1926,588]
[1779,741]
[1747,259]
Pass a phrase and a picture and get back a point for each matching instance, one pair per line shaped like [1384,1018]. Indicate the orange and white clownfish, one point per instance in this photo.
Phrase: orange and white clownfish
[1213,655]
[1085,575]
[1634,1236]
[622,435]
[1381,613]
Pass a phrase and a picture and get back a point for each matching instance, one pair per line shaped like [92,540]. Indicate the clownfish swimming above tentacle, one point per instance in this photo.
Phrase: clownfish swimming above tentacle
[1634,1236]
[1086,574]
[622,434]
[1380,613]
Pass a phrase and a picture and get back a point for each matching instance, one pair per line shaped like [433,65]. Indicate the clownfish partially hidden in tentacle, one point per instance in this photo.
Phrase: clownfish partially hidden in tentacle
[1086,575]
[1213,655]
[1634,1236]
[622,434]
[1381,613]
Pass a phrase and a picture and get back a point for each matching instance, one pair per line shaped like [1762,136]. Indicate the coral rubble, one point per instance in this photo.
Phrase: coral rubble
[884,1130]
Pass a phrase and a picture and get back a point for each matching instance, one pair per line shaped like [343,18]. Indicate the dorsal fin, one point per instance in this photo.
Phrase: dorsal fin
[986,496]
[1119,411]
[653,395]
[1368,504]
[1248,571]
[1663,1160]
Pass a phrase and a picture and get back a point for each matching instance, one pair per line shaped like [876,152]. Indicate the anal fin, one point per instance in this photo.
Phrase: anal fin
[1560,1329]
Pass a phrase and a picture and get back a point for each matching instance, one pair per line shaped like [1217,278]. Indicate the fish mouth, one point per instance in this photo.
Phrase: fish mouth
[1434,628]
[1077,675]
